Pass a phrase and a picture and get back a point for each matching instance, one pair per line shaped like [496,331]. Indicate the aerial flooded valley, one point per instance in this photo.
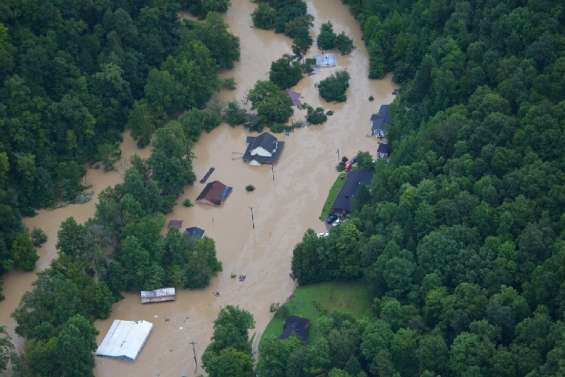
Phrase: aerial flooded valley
[287,201]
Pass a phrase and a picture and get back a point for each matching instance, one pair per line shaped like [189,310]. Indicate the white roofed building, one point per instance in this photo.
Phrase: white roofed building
[125,339]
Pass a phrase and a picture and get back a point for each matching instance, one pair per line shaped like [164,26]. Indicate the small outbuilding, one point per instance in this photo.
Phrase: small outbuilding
[353,182]
[296,326]
[215,193]
[125,339]
[158,295]
[263,149]
[194,232]
[383,151]
[379,121]
[326,61]
[176,224]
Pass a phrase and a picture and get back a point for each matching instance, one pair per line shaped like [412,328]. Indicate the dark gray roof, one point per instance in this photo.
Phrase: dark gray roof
[194,231]
[383,148]
[380,119]
[267,142]
[296,326]
[353,181]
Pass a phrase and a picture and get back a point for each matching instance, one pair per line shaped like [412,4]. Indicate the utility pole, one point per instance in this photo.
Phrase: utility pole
[195,358]
[252,218]
[273,171]
[338,154]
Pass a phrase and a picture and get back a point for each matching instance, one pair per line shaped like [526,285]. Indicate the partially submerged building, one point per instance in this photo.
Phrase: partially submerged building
[379,121]
[326,61]
[125,339]
[215,193]
[353,181]
[383,151]
[263,149]
[158,295]
[175,224]
[296,326]
[194,232]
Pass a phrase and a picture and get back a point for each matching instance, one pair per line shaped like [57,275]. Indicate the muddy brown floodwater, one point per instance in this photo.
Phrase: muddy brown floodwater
[288,199]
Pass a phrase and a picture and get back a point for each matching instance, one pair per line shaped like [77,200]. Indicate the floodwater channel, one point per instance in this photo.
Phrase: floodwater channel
[288,199]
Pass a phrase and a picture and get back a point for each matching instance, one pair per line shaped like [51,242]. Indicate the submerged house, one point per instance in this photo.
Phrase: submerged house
[353,182]
[125,339]
[176,224]
[263,149]
[194,232]
[158,295]
[215,193]
[379,121]
[383,151]
[296,326]
[325,61]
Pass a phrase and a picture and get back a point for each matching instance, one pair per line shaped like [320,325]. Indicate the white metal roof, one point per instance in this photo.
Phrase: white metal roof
[125,339]
[158,293]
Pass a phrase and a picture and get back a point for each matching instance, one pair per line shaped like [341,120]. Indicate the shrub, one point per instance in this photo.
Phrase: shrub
[38,237]
[235,115]
[249,188]
[327,38]
[316,116]
[187,203]
[334,87]
[344,44]
[229,84]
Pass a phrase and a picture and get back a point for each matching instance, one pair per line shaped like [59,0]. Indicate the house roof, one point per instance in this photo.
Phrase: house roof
[267,142]
[326,60]
[158,295]
[177,224]
[125,339]
[296,326]
[294,97]
[383,148]
[353,181]
[194,231]
[380,119]
[215,192]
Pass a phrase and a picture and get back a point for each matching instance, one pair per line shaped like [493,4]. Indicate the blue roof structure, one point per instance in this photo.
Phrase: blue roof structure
[353,181]
[194,232]
[380,120]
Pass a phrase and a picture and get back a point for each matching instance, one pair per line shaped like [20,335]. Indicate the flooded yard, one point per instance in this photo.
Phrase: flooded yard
[287,200]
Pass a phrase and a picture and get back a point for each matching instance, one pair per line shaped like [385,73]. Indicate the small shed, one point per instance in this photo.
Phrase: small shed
[215,193]
[294,97]
[194,232]
[296,326]
[383,151]
[176,224]
[325,61]
[158,295]
[125,339]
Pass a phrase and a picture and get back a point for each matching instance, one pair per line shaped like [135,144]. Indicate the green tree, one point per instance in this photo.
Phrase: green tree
[25,254]
[285,72]
[272,104]
[333,88]
[6,348]
[327,38]
[264,16]
[343,43]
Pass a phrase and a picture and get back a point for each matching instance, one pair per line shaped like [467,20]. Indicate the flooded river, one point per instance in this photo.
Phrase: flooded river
[287,200]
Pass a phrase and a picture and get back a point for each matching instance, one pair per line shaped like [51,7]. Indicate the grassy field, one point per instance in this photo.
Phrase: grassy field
[331,196]
[314,300]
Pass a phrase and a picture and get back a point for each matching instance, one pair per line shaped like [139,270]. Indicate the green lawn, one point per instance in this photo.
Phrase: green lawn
[313,300]
[331,195]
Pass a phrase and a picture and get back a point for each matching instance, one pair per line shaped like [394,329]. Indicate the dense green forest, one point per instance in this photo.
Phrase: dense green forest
[460,236]
[70,75]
